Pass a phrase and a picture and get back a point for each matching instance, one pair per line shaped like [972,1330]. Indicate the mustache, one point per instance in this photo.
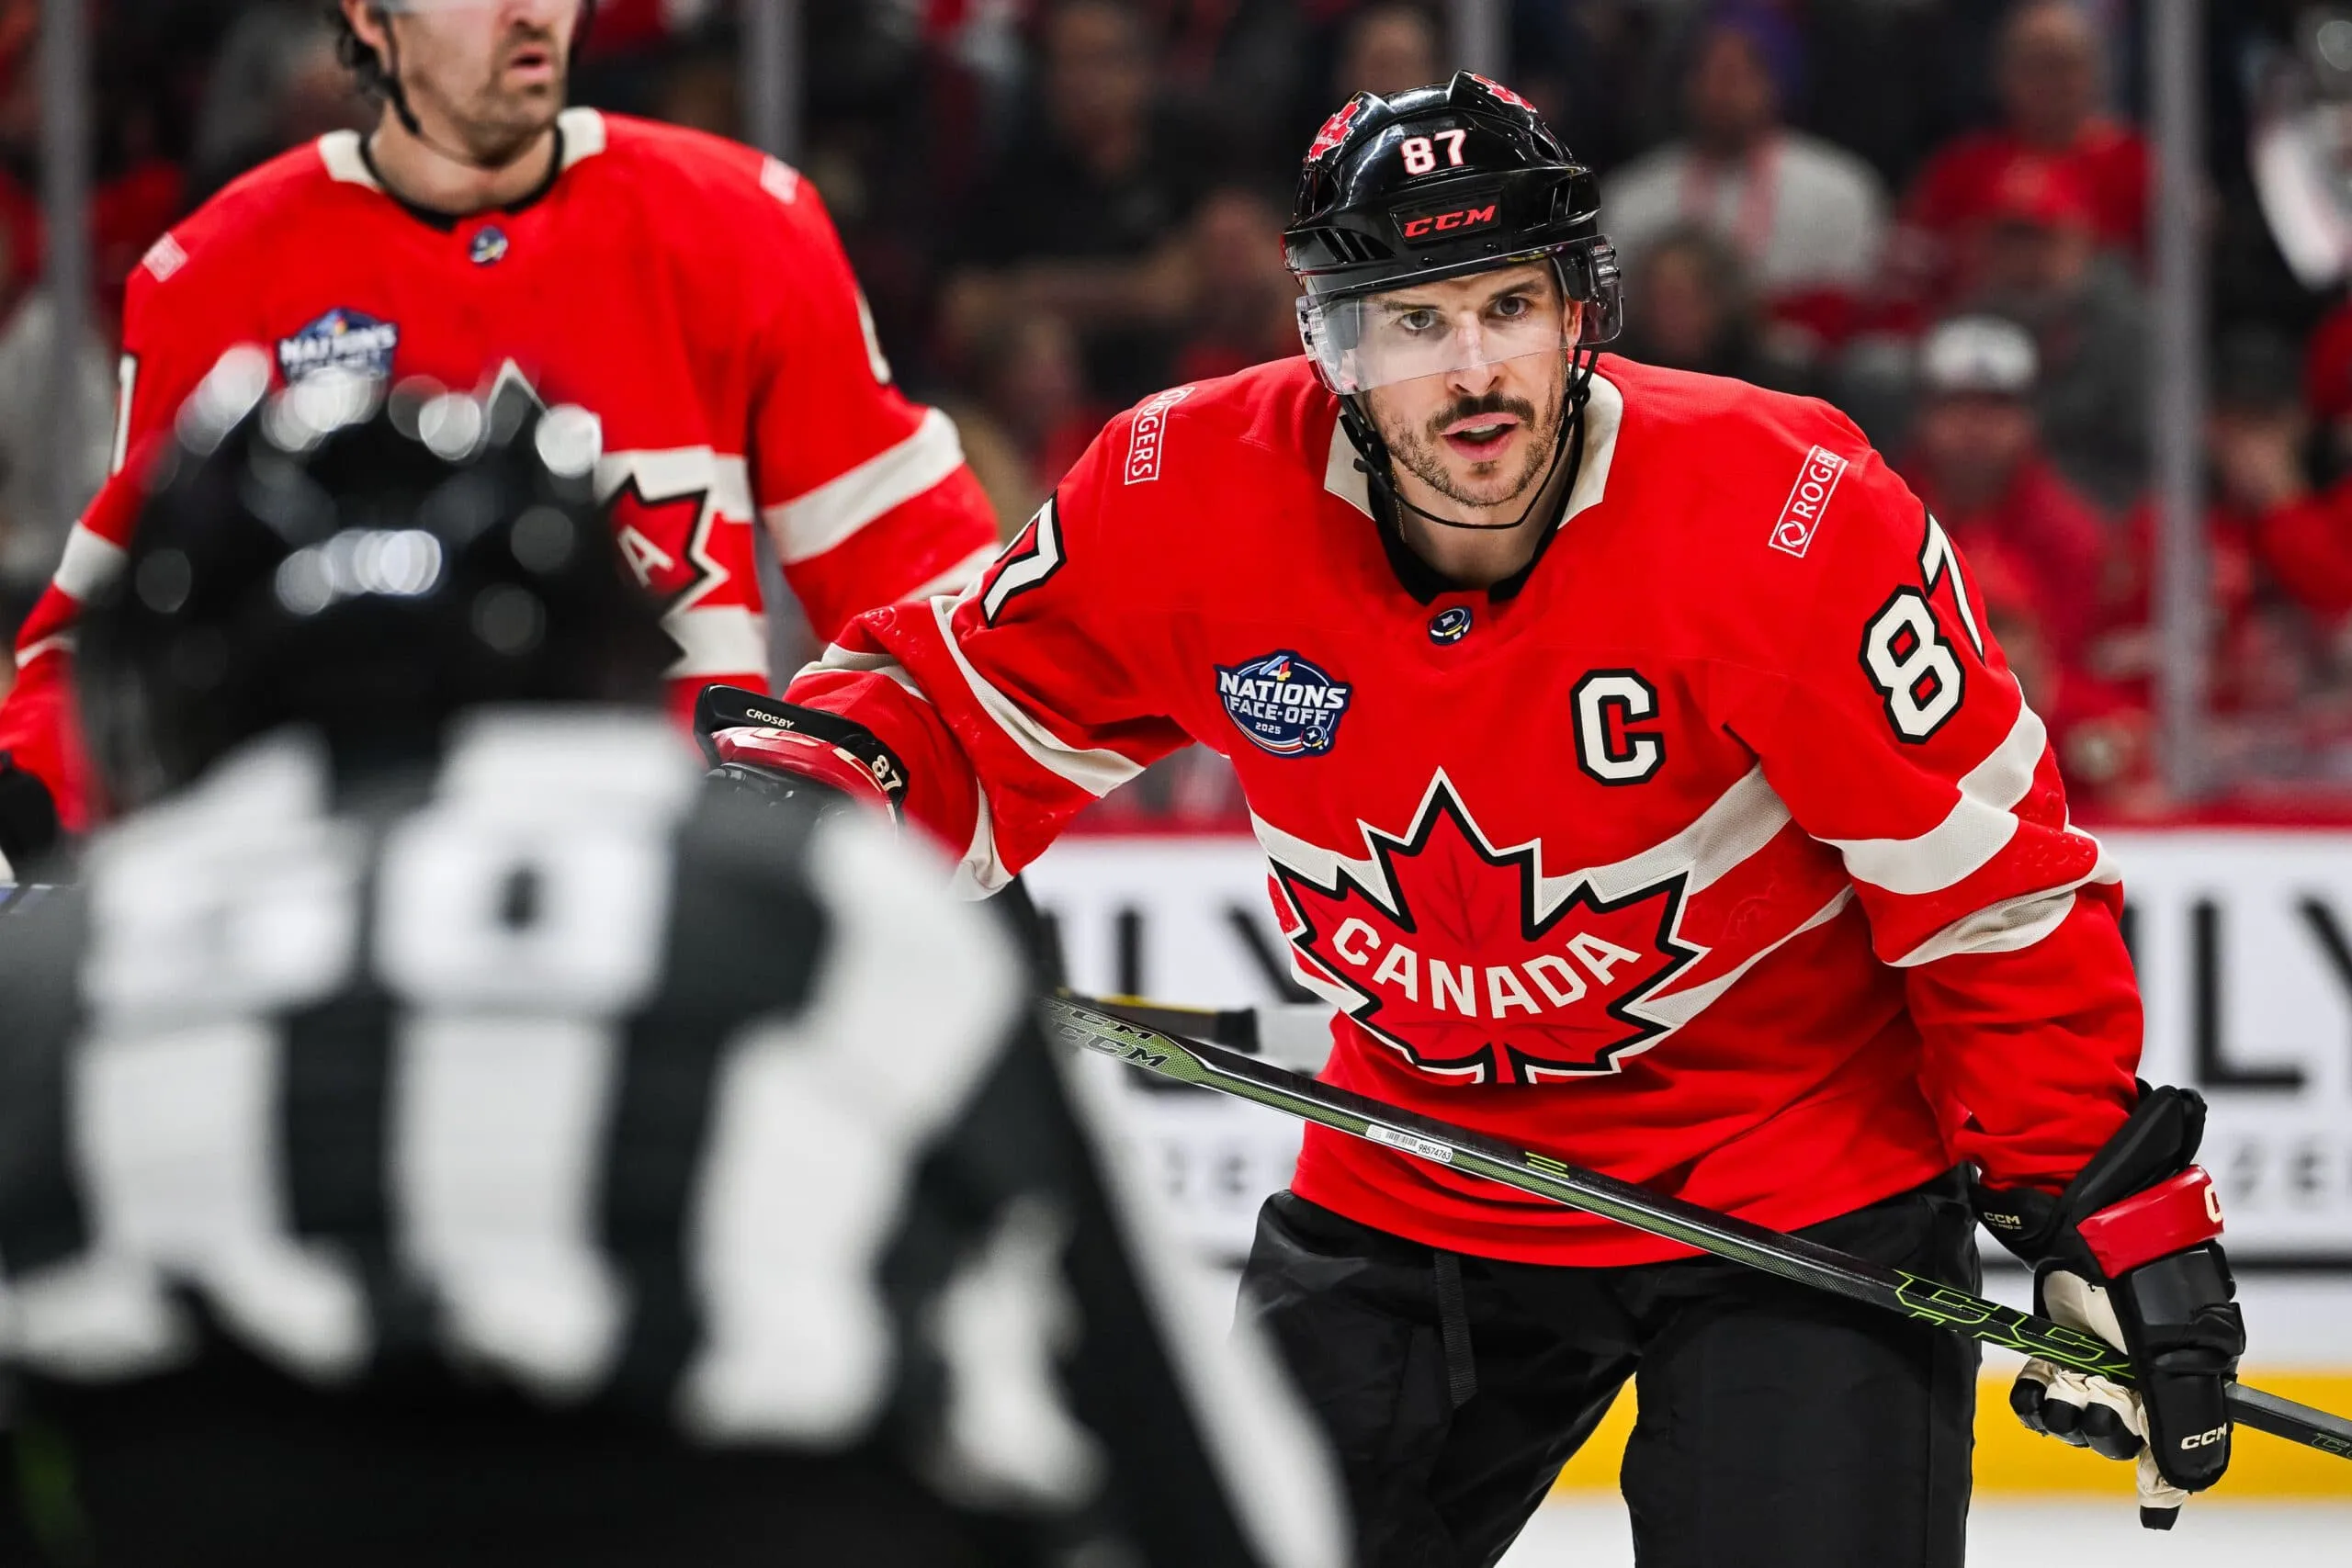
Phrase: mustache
[528,35]
[1470,408]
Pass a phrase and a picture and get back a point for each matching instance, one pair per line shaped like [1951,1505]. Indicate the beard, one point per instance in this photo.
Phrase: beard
[1422,454]
[497,124]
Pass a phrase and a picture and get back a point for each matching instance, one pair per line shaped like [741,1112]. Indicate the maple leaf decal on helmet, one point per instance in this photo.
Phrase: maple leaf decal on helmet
[1456,959]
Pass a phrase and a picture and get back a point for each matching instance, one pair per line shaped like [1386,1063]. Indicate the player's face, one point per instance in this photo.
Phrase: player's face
[490,74]
[1483,434]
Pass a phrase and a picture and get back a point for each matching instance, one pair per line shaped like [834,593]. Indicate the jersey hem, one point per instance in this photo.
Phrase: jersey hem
[1339,1185]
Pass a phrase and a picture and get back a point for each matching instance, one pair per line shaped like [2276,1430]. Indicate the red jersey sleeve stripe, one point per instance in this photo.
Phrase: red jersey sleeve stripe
[836,656]
[1979,825]
[718,639]
[818,520]
[1094,769]
[57,643]
[90,561]
[2010,925]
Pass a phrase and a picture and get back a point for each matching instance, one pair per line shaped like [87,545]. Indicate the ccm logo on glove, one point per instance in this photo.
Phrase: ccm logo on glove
[2200,1440]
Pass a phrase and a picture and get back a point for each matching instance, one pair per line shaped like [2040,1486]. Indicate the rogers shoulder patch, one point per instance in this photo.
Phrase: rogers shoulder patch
[1148,436]
[1801,514]
[163,258]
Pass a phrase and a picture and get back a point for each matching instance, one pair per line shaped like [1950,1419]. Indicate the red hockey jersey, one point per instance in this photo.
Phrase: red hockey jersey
[689,291]
[1723,856]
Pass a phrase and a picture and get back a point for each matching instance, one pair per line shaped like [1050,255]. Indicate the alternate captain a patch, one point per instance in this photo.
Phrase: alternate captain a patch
[1284,704]
[339,340]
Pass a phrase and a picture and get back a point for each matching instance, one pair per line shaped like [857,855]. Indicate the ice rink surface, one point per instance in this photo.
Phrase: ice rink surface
[2016,1533]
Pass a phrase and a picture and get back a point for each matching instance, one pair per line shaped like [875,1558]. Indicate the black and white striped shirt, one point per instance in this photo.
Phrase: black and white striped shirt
[649,1104]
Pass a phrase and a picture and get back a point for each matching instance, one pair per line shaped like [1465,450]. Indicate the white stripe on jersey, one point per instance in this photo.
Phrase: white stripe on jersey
[505,1057]
[836,656]
[497,1124]
[981,872]
[674,473]
[62,642]
[2011,925]
[1979,825]
[1008,1441]
[90,562]
[798,1342]
[807,525]
[1273,1465]
[176,1136]
[1735,826]
[722,640]
[1096,770]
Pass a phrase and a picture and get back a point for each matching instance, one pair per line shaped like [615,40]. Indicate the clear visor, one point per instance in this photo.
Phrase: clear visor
[428,8]
[1364,341]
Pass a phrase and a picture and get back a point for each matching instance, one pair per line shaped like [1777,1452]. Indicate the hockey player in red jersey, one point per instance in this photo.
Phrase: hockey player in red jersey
[689,290]
[1637,777]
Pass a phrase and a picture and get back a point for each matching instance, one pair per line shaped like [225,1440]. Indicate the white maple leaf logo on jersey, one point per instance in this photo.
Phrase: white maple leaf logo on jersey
[1453,955]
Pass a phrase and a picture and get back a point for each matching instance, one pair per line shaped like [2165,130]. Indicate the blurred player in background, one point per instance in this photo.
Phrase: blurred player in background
[689,290]
[440,1128]
[1635,774]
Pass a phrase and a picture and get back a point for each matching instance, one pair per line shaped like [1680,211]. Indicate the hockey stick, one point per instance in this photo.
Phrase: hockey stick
[1790,1258]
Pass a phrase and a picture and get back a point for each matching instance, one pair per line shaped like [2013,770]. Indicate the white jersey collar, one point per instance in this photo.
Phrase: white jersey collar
[584,137]
[1604,409]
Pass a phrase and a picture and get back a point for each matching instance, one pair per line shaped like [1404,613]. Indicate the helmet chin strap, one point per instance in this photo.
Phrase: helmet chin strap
[398,96]
[1375,463]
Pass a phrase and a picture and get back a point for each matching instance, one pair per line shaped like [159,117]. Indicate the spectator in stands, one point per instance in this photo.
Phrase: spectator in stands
[1242,295]
[1688,308]
[2040,265]
[1389,46]
[2262,433]
[1078,214]
[1805,219]
[2275,572]
[32,529]
[2103,732]
[275,84]
[1032,419]
[699,85]
[1975,459]
[2052,87]
[2327,389]
[1387,49]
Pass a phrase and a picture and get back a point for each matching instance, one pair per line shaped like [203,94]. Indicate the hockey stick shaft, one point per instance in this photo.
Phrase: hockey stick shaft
[1790,1258]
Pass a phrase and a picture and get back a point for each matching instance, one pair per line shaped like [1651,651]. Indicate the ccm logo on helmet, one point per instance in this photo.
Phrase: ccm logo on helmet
[1423,225]
[2204,1440]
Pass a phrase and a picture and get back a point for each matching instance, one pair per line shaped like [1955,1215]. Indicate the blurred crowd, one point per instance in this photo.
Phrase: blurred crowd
[1933,212]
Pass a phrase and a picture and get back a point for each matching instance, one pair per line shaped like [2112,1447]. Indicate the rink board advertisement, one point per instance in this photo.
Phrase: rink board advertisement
[2242,939]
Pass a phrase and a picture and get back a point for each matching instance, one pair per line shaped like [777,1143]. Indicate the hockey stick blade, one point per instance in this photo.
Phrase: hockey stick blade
[1773,1252]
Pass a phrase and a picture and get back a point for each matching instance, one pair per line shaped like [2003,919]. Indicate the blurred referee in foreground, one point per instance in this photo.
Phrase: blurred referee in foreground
[442,1128]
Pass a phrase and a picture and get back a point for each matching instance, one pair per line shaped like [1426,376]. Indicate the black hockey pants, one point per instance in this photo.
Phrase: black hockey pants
[1779,1428]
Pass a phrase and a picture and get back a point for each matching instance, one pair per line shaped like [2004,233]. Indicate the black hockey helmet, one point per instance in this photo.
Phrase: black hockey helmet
[1434,184]
[368,565]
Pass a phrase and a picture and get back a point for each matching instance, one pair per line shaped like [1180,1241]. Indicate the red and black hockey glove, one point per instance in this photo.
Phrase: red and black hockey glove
[778,751]
[2129,1251]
